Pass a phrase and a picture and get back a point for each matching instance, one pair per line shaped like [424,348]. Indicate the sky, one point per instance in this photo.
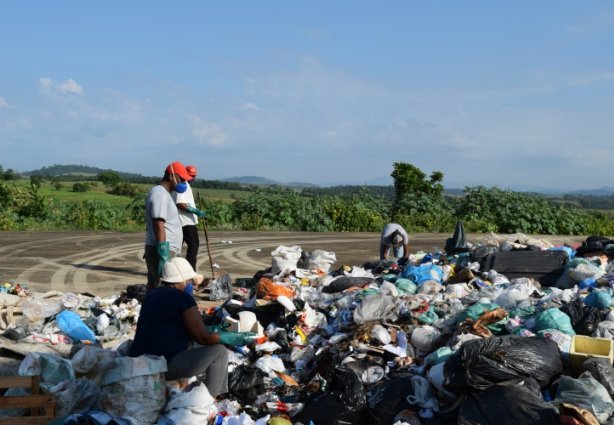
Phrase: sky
[498,93]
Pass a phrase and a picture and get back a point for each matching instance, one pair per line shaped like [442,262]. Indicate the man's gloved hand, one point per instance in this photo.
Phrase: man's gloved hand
[164,254]
[218,328]
[236,338]
[199,213]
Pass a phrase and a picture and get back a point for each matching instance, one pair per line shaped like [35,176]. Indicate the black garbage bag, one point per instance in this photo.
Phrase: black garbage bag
[348,388]
[584,319]
[137,291]
[389,398]
[326,409]
[518,401]
[246,383]
[480,363]
[344,282]
[602,371]
[457,243]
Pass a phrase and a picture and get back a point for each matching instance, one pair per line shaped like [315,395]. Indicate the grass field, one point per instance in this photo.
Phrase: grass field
[98,192]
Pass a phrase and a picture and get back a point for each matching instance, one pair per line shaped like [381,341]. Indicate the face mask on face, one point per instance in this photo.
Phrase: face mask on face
[181,187]
[189,289]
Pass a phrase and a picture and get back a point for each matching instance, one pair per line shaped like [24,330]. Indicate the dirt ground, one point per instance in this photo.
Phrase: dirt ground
[105,263]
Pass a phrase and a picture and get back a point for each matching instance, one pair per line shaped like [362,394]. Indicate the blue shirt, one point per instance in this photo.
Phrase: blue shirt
[160,330]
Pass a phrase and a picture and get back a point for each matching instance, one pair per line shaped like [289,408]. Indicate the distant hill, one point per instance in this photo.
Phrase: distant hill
[602,191]
[262,181]
[76,170]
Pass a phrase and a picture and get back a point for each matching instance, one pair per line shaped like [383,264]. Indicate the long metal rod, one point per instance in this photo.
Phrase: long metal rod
[199,201]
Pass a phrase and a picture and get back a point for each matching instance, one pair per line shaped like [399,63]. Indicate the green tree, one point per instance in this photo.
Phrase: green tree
[35,182]
[109,178]
[417,194]
[80,187]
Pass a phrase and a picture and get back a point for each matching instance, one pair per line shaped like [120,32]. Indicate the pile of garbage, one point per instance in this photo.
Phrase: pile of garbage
[511,330]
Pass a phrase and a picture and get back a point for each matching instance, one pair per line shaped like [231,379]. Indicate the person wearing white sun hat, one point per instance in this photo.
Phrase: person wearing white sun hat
[169,324]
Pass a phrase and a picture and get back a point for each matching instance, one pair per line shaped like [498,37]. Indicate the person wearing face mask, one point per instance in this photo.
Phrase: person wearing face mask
[163,237]
[188,216]
[169,324]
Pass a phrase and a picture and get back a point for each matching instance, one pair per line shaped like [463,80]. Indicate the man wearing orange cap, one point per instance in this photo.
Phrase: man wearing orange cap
[163,228]
[188,216]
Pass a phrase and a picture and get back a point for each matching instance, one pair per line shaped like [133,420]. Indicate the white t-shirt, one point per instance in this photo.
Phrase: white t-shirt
[187,197]
[159,204]
[391,228]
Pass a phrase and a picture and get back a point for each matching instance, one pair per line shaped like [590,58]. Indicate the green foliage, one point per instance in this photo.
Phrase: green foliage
[109,178]
[24,202]
[415,194]
[125,189]
[35,182]
[504,211]
[93,215]
[362,211]
[135,211]
[80,187]
[8,174]
[279,209]
[599,223]
[219,214]
[424,212]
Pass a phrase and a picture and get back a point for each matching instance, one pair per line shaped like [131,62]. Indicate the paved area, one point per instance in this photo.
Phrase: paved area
[105,263]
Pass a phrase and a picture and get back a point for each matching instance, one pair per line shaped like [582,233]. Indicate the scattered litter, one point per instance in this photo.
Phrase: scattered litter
[379,344]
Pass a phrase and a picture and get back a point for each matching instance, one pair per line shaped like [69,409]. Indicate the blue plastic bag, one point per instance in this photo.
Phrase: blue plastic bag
[422,273]
[71,324]
[599,299]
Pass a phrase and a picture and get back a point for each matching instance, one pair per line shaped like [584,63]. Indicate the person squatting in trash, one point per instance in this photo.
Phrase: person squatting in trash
[394,238]
[188,216]
[170,324]
[163,236]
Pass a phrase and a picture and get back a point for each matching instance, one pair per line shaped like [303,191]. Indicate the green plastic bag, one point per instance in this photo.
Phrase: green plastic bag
[553,318]
[405,286]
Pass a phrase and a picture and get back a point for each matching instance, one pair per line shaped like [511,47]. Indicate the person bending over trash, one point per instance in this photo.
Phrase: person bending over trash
[170,323]
[394,238]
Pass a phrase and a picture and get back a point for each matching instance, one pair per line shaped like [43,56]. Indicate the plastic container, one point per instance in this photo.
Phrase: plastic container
[584,347]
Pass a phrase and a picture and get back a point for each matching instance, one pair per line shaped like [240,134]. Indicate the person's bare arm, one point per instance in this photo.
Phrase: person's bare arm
[196,328]
[386,249]
[158,229]
[406,250]
[183,206]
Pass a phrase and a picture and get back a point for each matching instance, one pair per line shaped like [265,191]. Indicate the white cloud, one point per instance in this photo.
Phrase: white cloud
[246,106]
[3,103]
[70,86]
[207,132]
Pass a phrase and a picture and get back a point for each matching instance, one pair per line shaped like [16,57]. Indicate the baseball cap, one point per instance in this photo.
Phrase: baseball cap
[177,270]
[397,240]
[191,170]
[179,169]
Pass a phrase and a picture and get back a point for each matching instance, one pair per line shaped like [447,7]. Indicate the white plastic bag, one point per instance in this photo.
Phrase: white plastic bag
[133,387]
[321,260]
[193,407]
[285,258]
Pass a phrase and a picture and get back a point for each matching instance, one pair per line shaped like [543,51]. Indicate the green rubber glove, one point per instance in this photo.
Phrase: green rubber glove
[218,328]
[164,254]
[199,213]
[236,338]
